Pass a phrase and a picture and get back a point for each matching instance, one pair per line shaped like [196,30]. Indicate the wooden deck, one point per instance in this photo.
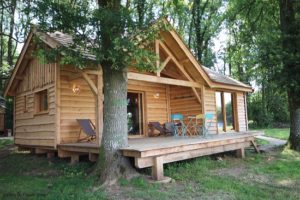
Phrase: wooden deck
[156,151]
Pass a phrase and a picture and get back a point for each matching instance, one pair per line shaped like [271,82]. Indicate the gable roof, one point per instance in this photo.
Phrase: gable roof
[212,78]
[221,78]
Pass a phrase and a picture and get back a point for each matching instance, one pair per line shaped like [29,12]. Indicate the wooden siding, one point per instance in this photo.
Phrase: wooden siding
[74,106]
[183,101]
[156,109]
[241,111]
[31,128]
[210,107]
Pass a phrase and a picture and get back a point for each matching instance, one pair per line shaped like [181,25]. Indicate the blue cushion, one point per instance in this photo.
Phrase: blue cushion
[177,116]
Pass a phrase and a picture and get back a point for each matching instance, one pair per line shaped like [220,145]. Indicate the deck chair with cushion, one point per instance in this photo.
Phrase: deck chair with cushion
[180,127]
[88,128]
[163,130]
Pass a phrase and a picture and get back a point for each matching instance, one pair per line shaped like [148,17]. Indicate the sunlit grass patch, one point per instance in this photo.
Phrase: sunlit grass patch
[279,133]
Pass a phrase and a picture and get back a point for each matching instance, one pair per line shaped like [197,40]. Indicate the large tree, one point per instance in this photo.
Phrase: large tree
[106,29]
[290,72]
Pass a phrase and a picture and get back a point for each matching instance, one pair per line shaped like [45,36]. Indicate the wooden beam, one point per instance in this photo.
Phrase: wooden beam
[184,155]
[255,146]
[17,66]
[184,60]
[181,68]
[94,72]
[190,56]
[90,83]
[155,79]
[158,57]
[163,65]
[203,99]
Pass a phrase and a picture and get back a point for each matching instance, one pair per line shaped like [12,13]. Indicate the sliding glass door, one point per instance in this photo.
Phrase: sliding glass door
[135,114]
[225,111]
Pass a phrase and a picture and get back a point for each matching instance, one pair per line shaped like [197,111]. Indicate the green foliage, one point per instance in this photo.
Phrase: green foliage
[271,111]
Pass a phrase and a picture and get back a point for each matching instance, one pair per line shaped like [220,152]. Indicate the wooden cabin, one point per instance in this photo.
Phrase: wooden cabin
[48,98]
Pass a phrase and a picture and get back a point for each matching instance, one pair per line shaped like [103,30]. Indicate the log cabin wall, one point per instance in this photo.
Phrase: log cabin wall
[156,107]
[210,107]
[81,105]
[183,101]
[241,111]
[33,128]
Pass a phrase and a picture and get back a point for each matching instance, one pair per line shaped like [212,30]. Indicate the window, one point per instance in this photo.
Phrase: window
[25,104]
[41,101]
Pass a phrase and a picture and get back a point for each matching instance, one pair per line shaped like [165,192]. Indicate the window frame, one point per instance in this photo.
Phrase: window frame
[39,98]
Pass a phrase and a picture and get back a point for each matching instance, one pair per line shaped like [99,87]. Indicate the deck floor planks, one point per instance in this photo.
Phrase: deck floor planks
[159,143]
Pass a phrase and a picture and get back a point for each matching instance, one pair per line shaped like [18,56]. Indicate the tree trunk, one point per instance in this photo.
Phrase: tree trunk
[290,45]
[111,164]
[294,106]
[10,48]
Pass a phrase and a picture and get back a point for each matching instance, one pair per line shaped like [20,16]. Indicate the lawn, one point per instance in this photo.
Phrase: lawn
[279,133]
[273,175]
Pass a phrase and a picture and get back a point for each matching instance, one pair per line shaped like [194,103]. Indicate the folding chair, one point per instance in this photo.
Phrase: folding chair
[207,117]
[163,130]
[88,128]
[180,128]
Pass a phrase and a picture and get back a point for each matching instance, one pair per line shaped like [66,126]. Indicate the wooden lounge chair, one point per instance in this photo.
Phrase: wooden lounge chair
[159,127]
[88,128]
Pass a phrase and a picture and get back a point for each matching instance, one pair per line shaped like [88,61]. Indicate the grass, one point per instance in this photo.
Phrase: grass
[26,176]
[5,142]
[273,175]
[279,133]
[261,141]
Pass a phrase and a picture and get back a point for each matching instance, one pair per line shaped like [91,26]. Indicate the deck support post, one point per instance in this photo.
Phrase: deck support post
[50,155]
[158,168]
[240,153]
[74,159]
[93,157]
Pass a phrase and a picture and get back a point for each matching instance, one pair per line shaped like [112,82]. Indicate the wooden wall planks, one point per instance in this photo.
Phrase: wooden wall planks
[241,111]
[210,107]
[30,127]
[74,106]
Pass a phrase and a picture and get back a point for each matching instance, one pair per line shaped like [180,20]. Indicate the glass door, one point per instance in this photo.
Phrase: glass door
[135,114]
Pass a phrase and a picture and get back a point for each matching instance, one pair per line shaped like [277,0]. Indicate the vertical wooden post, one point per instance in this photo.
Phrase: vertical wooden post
[240,153]
[168,103]
[158,168]
[50,155]
[246,111]
[99,107]
[74,159]
[57,100]
[223,111]
[203,99]
[235,112]
[157,54]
